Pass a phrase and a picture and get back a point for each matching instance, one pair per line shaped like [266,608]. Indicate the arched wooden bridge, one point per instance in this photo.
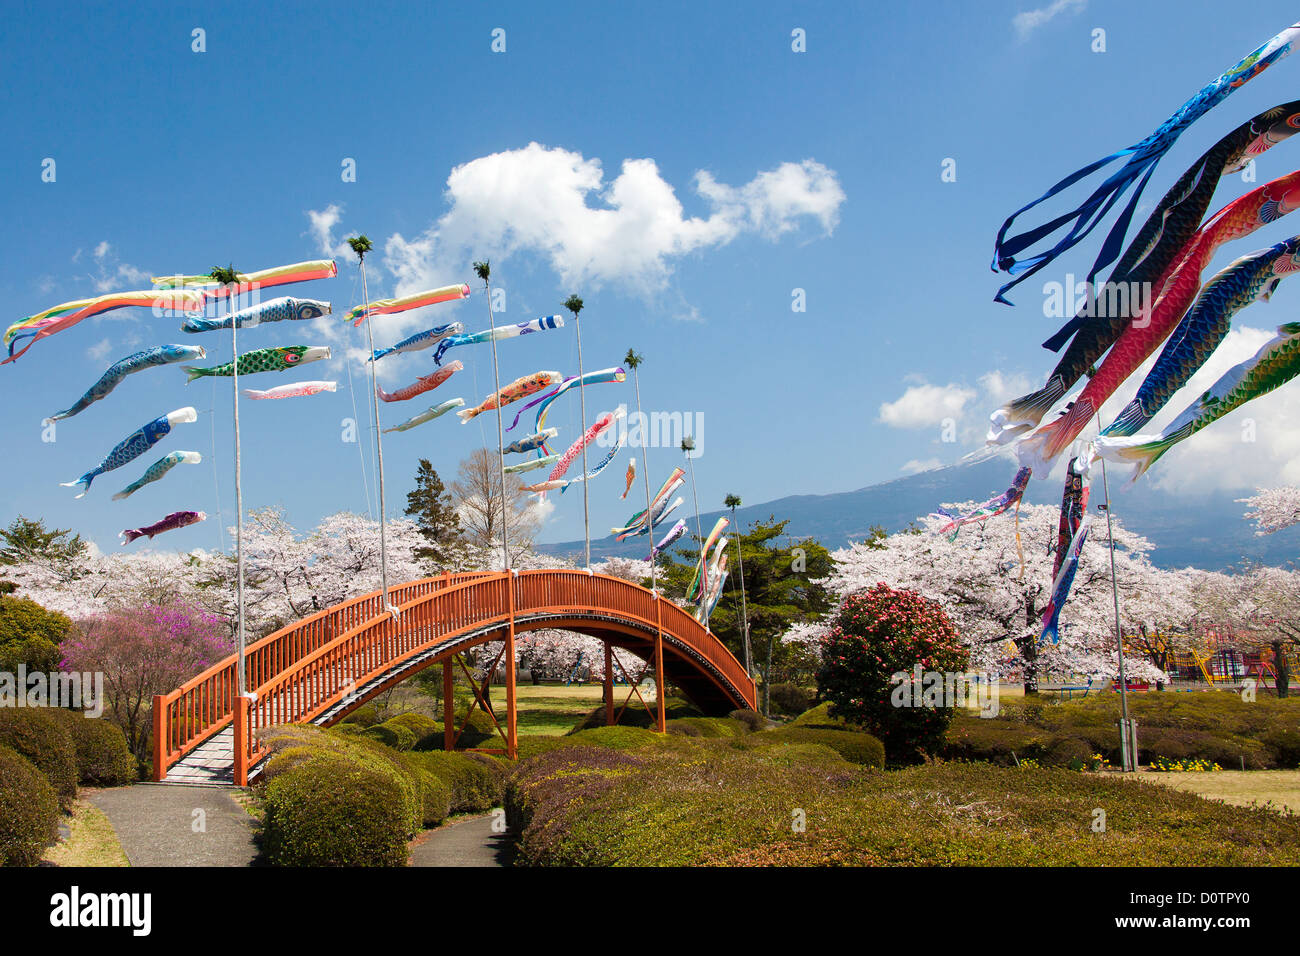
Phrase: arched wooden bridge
[324,666]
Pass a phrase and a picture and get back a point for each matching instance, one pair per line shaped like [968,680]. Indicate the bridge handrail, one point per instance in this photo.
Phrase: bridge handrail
[304,669]
[204,704]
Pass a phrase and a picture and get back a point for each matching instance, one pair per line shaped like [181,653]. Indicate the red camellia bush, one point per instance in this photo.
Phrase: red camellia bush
[878,634]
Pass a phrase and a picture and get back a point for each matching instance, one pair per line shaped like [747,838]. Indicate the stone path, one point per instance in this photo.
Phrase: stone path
[162,825]
[468,842]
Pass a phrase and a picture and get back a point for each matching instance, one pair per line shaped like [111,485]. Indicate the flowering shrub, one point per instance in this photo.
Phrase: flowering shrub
[143,651]
[1189,765]
[877,634]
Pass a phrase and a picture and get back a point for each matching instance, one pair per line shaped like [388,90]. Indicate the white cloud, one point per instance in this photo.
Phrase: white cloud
[556,203]
[323,223]
[99,350]
[1030,20]
[918,465]
[924,405]
[111,274]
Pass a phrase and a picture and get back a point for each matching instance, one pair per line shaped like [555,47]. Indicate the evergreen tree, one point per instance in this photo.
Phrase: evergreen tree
[429,504]
[780,587]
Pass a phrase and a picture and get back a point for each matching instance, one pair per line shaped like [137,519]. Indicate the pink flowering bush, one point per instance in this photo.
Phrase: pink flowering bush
[143,651]
[878,633]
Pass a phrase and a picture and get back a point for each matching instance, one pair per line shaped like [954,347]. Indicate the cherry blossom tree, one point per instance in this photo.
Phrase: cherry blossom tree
[994,580]
[1273,509]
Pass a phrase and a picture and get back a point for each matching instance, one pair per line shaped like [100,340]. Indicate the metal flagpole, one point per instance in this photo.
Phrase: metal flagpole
[485,273]
[379,442]
[1126,739]
[242,681]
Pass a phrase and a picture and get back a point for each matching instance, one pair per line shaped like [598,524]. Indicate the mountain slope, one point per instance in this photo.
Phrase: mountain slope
[1205,531]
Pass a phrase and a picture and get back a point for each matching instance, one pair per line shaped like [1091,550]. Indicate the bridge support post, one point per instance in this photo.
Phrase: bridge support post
[512,724]
[240,722]
[159,737]
[448,708]
[609,685]
[661,724]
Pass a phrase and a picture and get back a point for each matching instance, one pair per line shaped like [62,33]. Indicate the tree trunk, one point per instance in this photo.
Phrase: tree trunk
[1028,646]
[1283,681]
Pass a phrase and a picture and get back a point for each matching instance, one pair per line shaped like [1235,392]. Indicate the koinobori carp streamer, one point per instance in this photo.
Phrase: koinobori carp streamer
[148,358]
[1155,250]
[1141,163]
[134,445]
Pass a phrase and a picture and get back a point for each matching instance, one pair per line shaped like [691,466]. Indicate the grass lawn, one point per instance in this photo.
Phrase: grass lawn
[554,708]
[92,842]
[1279,787]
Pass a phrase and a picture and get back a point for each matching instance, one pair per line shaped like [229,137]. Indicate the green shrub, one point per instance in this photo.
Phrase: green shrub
[435,795]
[102,756]
[751,719]
[391,735]
[1284,745]
[1074,753]
[29,810]
[730,803]
[791,698]
[348,728]
[42,740]
[475,782]
[365,715]
[706,727]
[854,746]
[1002,742]
[333,811]
[675,708]
[418,724]
[820,716]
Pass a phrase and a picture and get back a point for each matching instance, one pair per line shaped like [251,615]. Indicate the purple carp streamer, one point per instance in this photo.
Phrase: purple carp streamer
[1275,364]
[1252,278]
[1156,249]
[674,534]
[1142,160]
[134,445]
[990,508]
[177,519]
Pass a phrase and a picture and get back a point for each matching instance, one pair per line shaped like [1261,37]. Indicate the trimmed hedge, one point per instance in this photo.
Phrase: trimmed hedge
[435,795]
[43,740]
[391,735]
[820,716]
[751,719]
[29,810]
[791,698]
[331,810]
[419,724]
[720,803]
[854,746]
[675,708]
[706,727]
[1209,725]
[102,756]
[475,781]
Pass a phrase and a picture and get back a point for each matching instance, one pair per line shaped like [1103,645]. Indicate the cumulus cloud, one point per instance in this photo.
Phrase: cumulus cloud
[557,204]
[924,405]
[99,350]
[323,223]
[1027,22]
[111,273]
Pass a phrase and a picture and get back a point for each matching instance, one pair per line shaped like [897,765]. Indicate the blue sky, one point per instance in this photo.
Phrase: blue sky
[753,171]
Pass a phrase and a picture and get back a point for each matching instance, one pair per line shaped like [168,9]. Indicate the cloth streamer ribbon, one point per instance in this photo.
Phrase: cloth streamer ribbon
[1142,160]
[417,300]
